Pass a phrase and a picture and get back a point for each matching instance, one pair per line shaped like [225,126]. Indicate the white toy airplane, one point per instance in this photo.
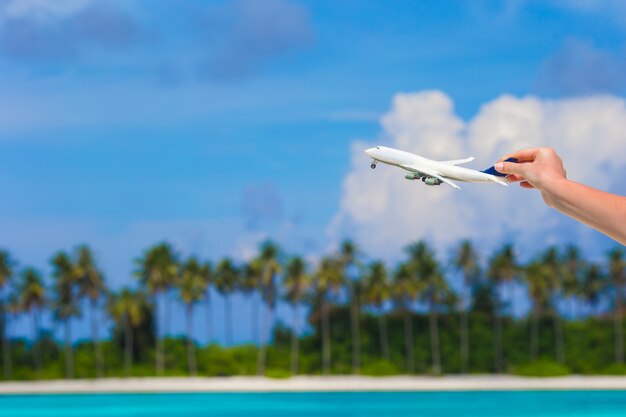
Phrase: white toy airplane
[434,172]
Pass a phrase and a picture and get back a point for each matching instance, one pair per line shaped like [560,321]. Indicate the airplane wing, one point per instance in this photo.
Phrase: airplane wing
[431,173]
[458,161]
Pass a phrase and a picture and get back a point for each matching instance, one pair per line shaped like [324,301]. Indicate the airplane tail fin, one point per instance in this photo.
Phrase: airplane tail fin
[492,171]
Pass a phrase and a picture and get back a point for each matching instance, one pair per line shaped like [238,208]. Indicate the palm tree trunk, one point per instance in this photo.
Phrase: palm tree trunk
[464,343]
[6,348]
[434,339]
[159,339]
[69,354]
[356,337]
[558,336]
[534,335]
[128,346]
[464,329]
[191,352]
[168,313]
[262,358]
[294,341]
[167,320]
[619,331]
[228,317]
[325,336]
[420,365]
[497,332]
[408,341]
[512,298]
[254,322]
[382,332]
[209,319]
[36,348]
[94,338]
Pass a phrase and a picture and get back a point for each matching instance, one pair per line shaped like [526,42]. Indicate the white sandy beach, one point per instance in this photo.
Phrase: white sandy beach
[315,384]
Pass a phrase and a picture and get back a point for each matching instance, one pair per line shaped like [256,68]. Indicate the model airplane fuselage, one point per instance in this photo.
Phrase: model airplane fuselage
[432,172]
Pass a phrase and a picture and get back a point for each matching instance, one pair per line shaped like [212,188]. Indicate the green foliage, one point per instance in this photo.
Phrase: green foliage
[379,367]
[614,369]
[217,361]
[589,351]
[278,373]
[543,368]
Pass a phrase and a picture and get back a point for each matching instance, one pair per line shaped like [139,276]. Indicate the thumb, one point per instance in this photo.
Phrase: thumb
[510,168]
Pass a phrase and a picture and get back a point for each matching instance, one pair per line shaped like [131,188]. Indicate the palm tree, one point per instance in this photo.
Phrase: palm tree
[404,291]
[573,265]
[12,311]
[426,269]
[538,276]
[157,272]
[207,274]
[192,287]
[502,268]
[32,299]
[91,285]
[226,278]
[6,274]
[618,280]
[296,285]
[126,308]
[328,280]
[64,305]
[553,263]
[376,292]
[270,267]
[594,285]
[250,277]
[466,261]
[347,256]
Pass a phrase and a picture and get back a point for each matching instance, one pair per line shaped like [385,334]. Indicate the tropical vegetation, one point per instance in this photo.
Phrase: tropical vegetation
[548,313]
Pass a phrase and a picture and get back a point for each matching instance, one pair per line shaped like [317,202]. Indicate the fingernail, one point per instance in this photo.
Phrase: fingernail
[499,166]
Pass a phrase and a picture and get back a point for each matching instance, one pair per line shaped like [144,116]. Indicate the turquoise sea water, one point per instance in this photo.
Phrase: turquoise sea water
[439,404]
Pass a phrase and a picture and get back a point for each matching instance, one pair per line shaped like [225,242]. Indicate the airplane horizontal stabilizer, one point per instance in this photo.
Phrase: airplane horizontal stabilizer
[499,181]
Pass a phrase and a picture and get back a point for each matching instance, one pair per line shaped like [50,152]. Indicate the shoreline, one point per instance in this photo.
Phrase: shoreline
[313,384]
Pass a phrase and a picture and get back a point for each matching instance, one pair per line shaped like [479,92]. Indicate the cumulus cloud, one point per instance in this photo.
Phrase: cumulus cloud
[57,30]
[384,212]
[245,35]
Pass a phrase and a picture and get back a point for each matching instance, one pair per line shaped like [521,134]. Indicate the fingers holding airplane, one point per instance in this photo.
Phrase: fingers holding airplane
[514,178]
[510,168]
[523,155]
[535,168]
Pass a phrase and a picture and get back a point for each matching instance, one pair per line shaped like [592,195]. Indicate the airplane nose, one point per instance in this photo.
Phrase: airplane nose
[370,151]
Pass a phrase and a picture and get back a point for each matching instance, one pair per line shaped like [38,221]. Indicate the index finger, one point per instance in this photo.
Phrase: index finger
[523,155]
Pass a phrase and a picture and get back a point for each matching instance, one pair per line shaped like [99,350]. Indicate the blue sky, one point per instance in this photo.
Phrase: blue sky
[215,124]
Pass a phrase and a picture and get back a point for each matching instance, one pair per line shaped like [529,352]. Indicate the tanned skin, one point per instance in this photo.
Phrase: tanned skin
[542,168]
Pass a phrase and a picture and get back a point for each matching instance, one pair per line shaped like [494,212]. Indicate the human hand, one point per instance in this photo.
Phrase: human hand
[542,168]
[536,168]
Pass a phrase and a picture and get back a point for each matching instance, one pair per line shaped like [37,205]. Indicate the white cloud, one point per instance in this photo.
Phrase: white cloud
[384,212]
[41,10]
[612,8]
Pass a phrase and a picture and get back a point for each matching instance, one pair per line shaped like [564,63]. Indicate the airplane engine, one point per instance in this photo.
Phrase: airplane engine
[412,176]
[431,181]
